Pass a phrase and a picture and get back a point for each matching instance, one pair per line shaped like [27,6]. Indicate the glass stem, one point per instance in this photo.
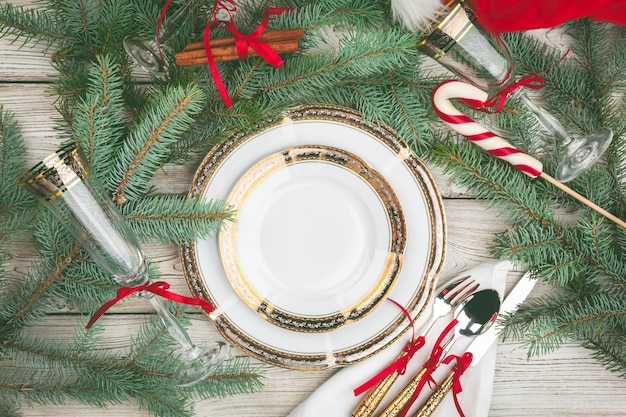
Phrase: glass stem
[171,25]
[172,324]
[549,122]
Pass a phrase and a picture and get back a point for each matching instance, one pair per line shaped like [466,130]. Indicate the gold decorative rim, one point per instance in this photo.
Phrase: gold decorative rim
[423,292]
[55,174]
[384,282]
[447,29]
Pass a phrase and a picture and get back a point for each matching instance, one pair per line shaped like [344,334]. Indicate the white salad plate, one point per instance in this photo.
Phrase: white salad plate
[421,261]
[317,239]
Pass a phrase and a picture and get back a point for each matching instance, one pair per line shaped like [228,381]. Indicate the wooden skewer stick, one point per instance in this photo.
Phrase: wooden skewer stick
[582,199]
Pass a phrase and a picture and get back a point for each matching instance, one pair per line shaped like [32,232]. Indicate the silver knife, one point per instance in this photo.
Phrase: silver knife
[480,345]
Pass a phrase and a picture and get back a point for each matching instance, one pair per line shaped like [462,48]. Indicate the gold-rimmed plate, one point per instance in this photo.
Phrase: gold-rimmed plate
[317,240]
[423,257]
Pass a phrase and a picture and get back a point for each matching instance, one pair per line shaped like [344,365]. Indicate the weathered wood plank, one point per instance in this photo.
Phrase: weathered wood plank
[568,382]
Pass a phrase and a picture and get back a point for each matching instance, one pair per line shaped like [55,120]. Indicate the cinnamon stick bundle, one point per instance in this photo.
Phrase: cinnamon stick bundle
[281,41]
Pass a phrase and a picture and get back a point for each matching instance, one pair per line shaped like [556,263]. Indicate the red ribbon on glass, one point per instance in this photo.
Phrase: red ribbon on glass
[242,42]
[400,364]
[158,288]
[430,365]
[462,363]
[495,103]
[497,100]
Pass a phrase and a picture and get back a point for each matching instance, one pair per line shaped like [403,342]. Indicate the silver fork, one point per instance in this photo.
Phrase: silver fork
[448,297]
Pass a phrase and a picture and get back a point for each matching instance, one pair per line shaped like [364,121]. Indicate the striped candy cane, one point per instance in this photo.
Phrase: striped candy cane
[492,143]
[474,132]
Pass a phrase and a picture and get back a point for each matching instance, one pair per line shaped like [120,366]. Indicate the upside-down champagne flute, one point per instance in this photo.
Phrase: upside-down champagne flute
[147,52]
[62,184]
[457,41]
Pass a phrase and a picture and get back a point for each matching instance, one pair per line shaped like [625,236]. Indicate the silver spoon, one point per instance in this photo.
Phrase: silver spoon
[475,315]
[448,298]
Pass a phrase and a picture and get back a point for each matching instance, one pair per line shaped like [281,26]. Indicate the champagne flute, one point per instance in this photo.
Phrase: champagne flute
[147,53]
[62,184]
[457,41]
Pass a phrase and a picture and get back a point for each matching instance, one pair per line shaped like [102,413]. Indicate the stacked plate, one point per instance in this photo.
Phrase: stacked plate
[334,217]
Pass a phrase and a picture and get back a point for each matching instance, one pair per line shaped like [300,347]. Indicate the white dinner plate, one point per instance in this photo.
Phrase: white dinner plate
[317,240]
[421,264]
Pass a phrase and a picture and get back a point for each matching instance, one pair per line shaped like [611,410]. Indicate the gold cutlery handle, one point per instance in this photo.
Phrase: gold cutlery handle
[374,397]
[397,404]
[427,409]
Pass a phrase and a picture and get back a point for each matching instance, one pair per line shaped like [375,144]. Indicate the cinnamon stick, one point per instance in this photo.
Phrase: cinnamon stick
[267,37]
[229,53]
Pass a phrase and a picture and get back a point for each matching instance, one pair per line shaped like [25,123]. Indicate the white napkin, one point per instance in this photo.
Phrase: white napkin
[335,397]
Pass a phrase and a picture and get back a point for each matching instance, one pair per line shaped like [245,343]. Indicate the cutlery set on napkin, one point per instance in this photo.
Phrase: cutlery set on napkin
[459,330]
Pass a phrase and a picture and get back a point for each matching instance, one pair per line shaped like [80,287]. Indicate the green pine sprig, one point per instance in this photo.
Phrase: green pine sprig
[576,250]
[130,130]
[174,219]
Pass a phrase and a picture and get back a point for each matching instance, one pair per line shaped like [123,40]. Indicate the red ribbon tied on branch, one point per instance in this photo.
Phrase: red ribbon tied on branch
[222,15]
[242,42]
[462,363]
[158,288]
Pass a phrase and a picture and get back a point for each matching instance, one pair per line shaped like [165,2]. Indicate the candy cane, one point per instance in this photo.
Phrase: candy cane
[492,143]
[487,140]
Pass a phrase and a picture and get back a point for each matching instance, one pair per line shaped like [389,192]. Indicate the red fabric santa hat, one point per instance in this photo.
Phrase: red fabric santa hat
[520,15]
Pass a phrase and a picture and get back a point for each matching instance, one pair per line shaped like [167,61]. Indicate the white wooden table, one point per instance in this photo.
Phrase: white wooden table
[566,383]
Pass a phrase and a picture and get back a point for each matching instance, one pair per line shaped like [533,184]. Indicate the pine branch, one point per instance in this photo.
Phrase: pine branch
[98,121]
[150,351]
[148,144]
[609,350]
[32,25]
[9,408]
[173,219]
[15,202]
[583,259]
[39,290]
[234,377]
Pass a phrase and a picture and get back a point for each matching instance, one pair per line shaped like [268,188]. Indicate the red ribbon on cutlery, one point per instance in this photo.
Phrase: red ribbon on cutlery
[430,365]
[158,288]
[462,363]
[400,364]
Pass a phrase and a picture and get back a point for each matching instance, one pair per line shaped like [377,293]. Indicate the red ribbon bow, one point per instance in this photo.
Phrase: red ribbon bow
[158,288]
[462,363]
[430,366]
[400,364]
[497,100]
[242,42]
